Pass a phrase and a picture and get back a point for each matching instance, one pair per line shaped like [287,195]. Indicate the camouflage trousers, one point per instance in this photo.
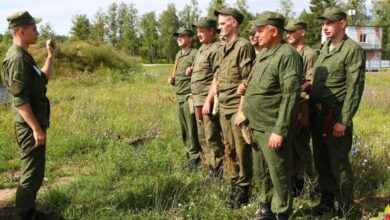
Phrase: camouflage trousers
[188,129]
[331,159]
[238,152]
[210,138]
[32,168]
[272,172]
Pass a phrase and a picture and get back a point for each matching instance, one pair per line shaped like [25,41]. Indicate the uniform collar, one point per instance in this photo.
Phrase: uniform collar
[230,45]
[337,48]
[206,46]
[185,53]
[270,52]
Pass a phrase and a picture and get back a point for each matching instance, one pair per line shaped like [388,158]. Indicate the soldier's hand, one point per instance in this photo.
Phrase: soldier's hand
[189,71]
[242,88]
[171,80]
[206,108]
[39,137]
[51,47]
[339,130]
[275,141]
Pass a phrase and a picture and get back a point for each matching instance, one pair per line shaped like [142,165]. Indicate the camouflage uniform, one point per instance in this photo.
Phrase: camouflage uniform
[271,104]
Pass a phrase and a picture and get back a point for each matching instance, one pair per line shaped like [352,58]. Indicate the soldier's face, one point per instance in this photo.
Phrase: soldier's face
[184,40]
[294,37]
[331,29]
[265,35]
[253,40]
[205,35]
[226,24]
[29,33]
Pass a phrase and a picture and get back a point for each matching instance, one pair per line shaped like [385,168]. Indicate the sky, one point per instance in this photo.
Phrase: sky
[59,13]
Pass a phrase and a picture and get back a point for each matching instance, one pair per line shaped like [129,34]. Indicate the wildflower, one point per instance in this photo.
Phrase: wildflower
[355,150]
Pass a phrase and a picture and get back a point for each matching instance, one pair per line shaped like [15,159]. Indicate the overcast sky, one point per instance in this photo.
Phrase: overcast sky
[59,13]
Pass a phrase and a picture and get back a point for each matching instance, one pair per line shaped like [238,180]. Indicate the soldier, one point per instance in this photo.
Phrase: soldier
[253,39]
[181,79]
[235,58]
[335,96]
[271,102]
[27,86]
[205,64]
[302,157]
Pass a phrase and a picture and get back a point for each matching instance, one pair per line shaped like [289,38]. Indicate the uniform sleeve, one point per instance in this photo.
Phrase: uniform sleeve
[289,70]
[246,57]
[18,82]
[355,68]
[309,62]
[218,58]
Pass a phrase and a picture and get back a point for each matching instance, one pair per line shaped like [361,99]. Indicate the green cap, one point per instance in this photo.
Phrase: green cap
[333,14]
[206,22]
[269,18]
[295,25]
[230,11]
[252,31]
[183,31]
[21,18]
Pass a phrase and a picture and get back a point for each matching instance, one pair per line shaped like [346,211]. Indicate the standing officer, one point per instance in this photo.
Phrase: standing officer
[236,58]
[335,96]
[205,64]
[181,79]
[27,86]
[271,104]
[302,156]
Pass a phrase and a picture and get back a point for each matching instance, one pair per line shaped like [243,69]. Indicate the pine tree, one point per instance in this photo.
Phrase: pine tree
[149,36]
[215,4]
[381,16]
[242,6]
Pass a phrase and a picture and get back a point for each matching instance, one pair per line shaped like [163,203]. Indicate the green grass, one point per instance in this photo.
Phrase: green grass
[94,173]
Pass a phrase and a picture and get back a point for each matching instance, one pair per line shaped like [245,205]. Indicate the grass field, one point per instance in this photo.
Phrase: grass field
[114,152]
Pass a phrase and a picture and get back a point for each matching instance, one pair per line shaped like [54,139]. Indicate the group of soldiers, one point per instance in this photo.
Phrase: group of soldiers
[255,106]
[251,106]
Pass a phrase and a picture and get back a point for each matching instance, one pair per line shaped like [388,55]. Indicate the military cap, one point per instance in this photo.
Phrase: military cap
[183,31]
[230,11]
[252,31]
[333,14]
[295,25]
[206,22]
[21,18]
[269,18]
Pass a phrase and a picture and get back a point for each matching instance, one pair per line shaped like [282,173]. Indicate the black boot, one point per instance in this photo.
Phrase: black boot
[239,196]
[282,216]
[297,187]
[266,212]
[26,215]
[326,205]
[38,215]
[216,173]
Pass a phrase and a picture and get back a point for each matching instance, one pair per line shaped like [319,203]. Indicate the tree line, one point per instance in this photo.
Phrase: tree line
[150,35]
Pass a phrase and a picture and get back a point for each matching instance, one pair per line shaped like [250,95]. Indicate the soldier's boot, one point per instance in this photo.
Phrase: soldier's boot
[238,197]
[326,205]
[26,215]
[297,186]
[38,215]
[282,216]
[265,213]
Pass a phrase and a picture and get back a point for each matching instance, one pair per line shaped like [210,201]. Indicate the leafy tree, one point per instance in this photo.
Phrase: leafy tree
[127,20]
[286,8]
[190,13]
[215,4]
[360,17]
[98,26]
[112,24]
[168,24]
[242,6]
[81,28]
[149,36]
[381,16]
[46,31]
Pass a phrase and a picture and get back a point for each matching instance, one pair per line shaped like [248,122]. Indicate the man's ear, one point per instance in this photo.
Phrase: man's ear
[343,23]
